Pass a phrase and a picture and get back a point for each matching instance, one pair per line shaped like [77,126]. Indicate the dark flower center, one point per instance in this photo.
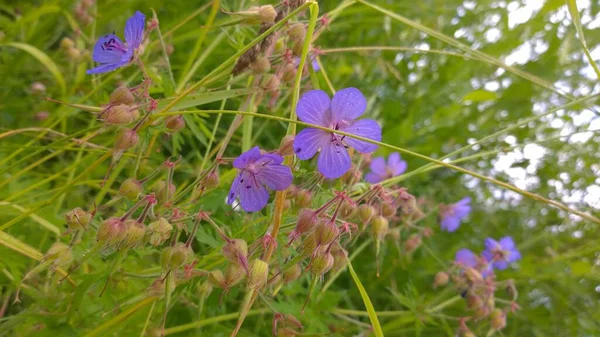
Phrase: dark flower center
[112,45]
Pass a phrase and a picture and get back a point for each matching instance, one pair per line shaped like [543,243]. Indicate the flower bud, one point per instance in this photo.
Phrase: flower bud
[292,273]
[473,275]
[289,73]
[347,210]
[497,319]
[259,274]
[119,115]
[297,48]
[474,301]
[481,312]
[440,279]
[162,193]
[126,139]
[131,189]
[412,243]
[74,54]
[205,288]
[111,232]
[211,180]
[66,43]
[78,218]
[511,289]
[60,254]
[380,227]
[267,14]
[322,263]
[292,320]
[365,213]
[271,82]
[297,32]
[169,49]
[134,233]
[175,123]
[121,95]
[307,220]
[428,232]
[41,115]
[236,251]
[303,198]
[286,146]
[233,275]
[165,258]
[287,204]
[38,88]
[291,191]
[309,244]
[181,254]
[261,65]
[388,210]
[340,257]
[216,278]
[326,232]
[160,231]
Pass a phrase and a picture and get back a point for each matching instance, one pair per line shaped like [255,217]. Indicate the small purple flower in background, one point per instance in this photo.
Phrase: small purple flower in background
[313,58]
[465,258]
[501,253]
[256,171]
[380,170]
[339,113]
[112,53]
[452,214]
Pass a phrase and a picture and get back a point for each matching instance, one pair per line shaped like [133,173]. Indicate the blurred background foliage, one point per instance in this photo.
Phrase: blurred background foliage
[431,96]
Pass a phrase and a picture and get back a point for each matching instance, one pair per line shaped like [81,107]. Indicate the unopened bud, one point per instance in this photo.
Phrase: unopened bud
[160,231]
[162,192]
[286,332]
[236,251]
[78,218]
[175,123]
[211,180]
[66,43]
[74,54]
[267,14]
[347,210]
[303,198]
[121,95]
[322,263]
[169,49]
[291,191]
[271,82]
[216,278]
[326,232]
[481,312]
[340,258]
[473,275]
[259,274]
[41,115]
[119,115]
[261,65]
[111,232]
[60,254]
[297,48]
[205,288]
[289,73]
[497,319]
[309,244]
[234,275]
[380,227]
[474,301]
[181,254]
[428,232]
[366,213]
[388,209]
[134,233]
[38,88]
[292,273]
[165,258]
[297,32]
[307,220]
[131,189]
[292,320]
[511,289]
[440,279]
[126,139]
[412,243]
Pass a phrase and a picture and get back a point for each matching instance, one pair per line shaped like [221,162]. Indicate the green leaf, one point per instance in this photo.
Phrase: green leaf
[480,96]
[367,301]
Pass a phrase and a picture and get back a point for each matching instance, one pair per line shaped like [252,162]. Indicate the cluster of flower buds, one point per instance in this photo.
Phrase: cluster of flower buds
[70,49]
[286,326]
[84,11]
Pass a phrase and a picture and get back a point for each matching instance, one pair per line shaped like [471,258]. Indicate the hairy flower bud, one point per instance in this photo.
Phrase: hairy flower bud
[259,274]
[126,139]
[440,279]
[205,288]
[261,65]
[211,180]
[131,189]
[292,273]
[309,244]
[303,198]
[326,232]
[289,73]
[38,88]
[297,32]
[233,275]
[119,115]
[271,82]
[286,146]
[111,231]
[340,257]
[388,209]
[297,48]
[412,243]
[306,222]
[66,43]
[162,193]
[121,95]
[347,210]
[165,257]
[473,275]
[286,332]
[160,231]
[267,14]
[175,123]
[322,263]
[366,213]
[216,278]
[181,254]
[380,227]
[236,251]
[474,301]
[78,218]
[60,254]
[497,319]
[134,233]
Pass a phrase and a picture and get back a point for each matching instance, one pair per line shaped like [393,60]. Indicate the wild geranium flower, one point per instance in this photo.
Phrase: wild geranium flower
[501,253]
[257,172]
[112,53]
[380,170]
[339,113]
[465,258]
[451,215]
[313,58]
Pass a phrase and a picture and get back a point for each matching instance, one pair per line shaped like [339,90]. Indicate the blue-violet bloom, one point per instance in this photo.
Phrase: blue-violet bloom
[339,113]
[314,63]
[380,170]
[257,172]
[465,258]
[112,53]
[501,253]
[451,215]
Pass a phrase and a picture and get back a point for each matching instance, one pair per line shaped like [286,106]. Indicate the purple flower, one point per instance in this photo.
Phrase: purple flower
[466,258]
[339,113]
[313,58]
[453,214]
[112,53]
[256,172]
[501,253]
[380,170]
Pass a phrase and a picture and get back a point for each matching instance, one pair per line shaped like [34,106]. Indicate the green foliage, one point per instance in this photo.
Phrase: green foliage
[441,77]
